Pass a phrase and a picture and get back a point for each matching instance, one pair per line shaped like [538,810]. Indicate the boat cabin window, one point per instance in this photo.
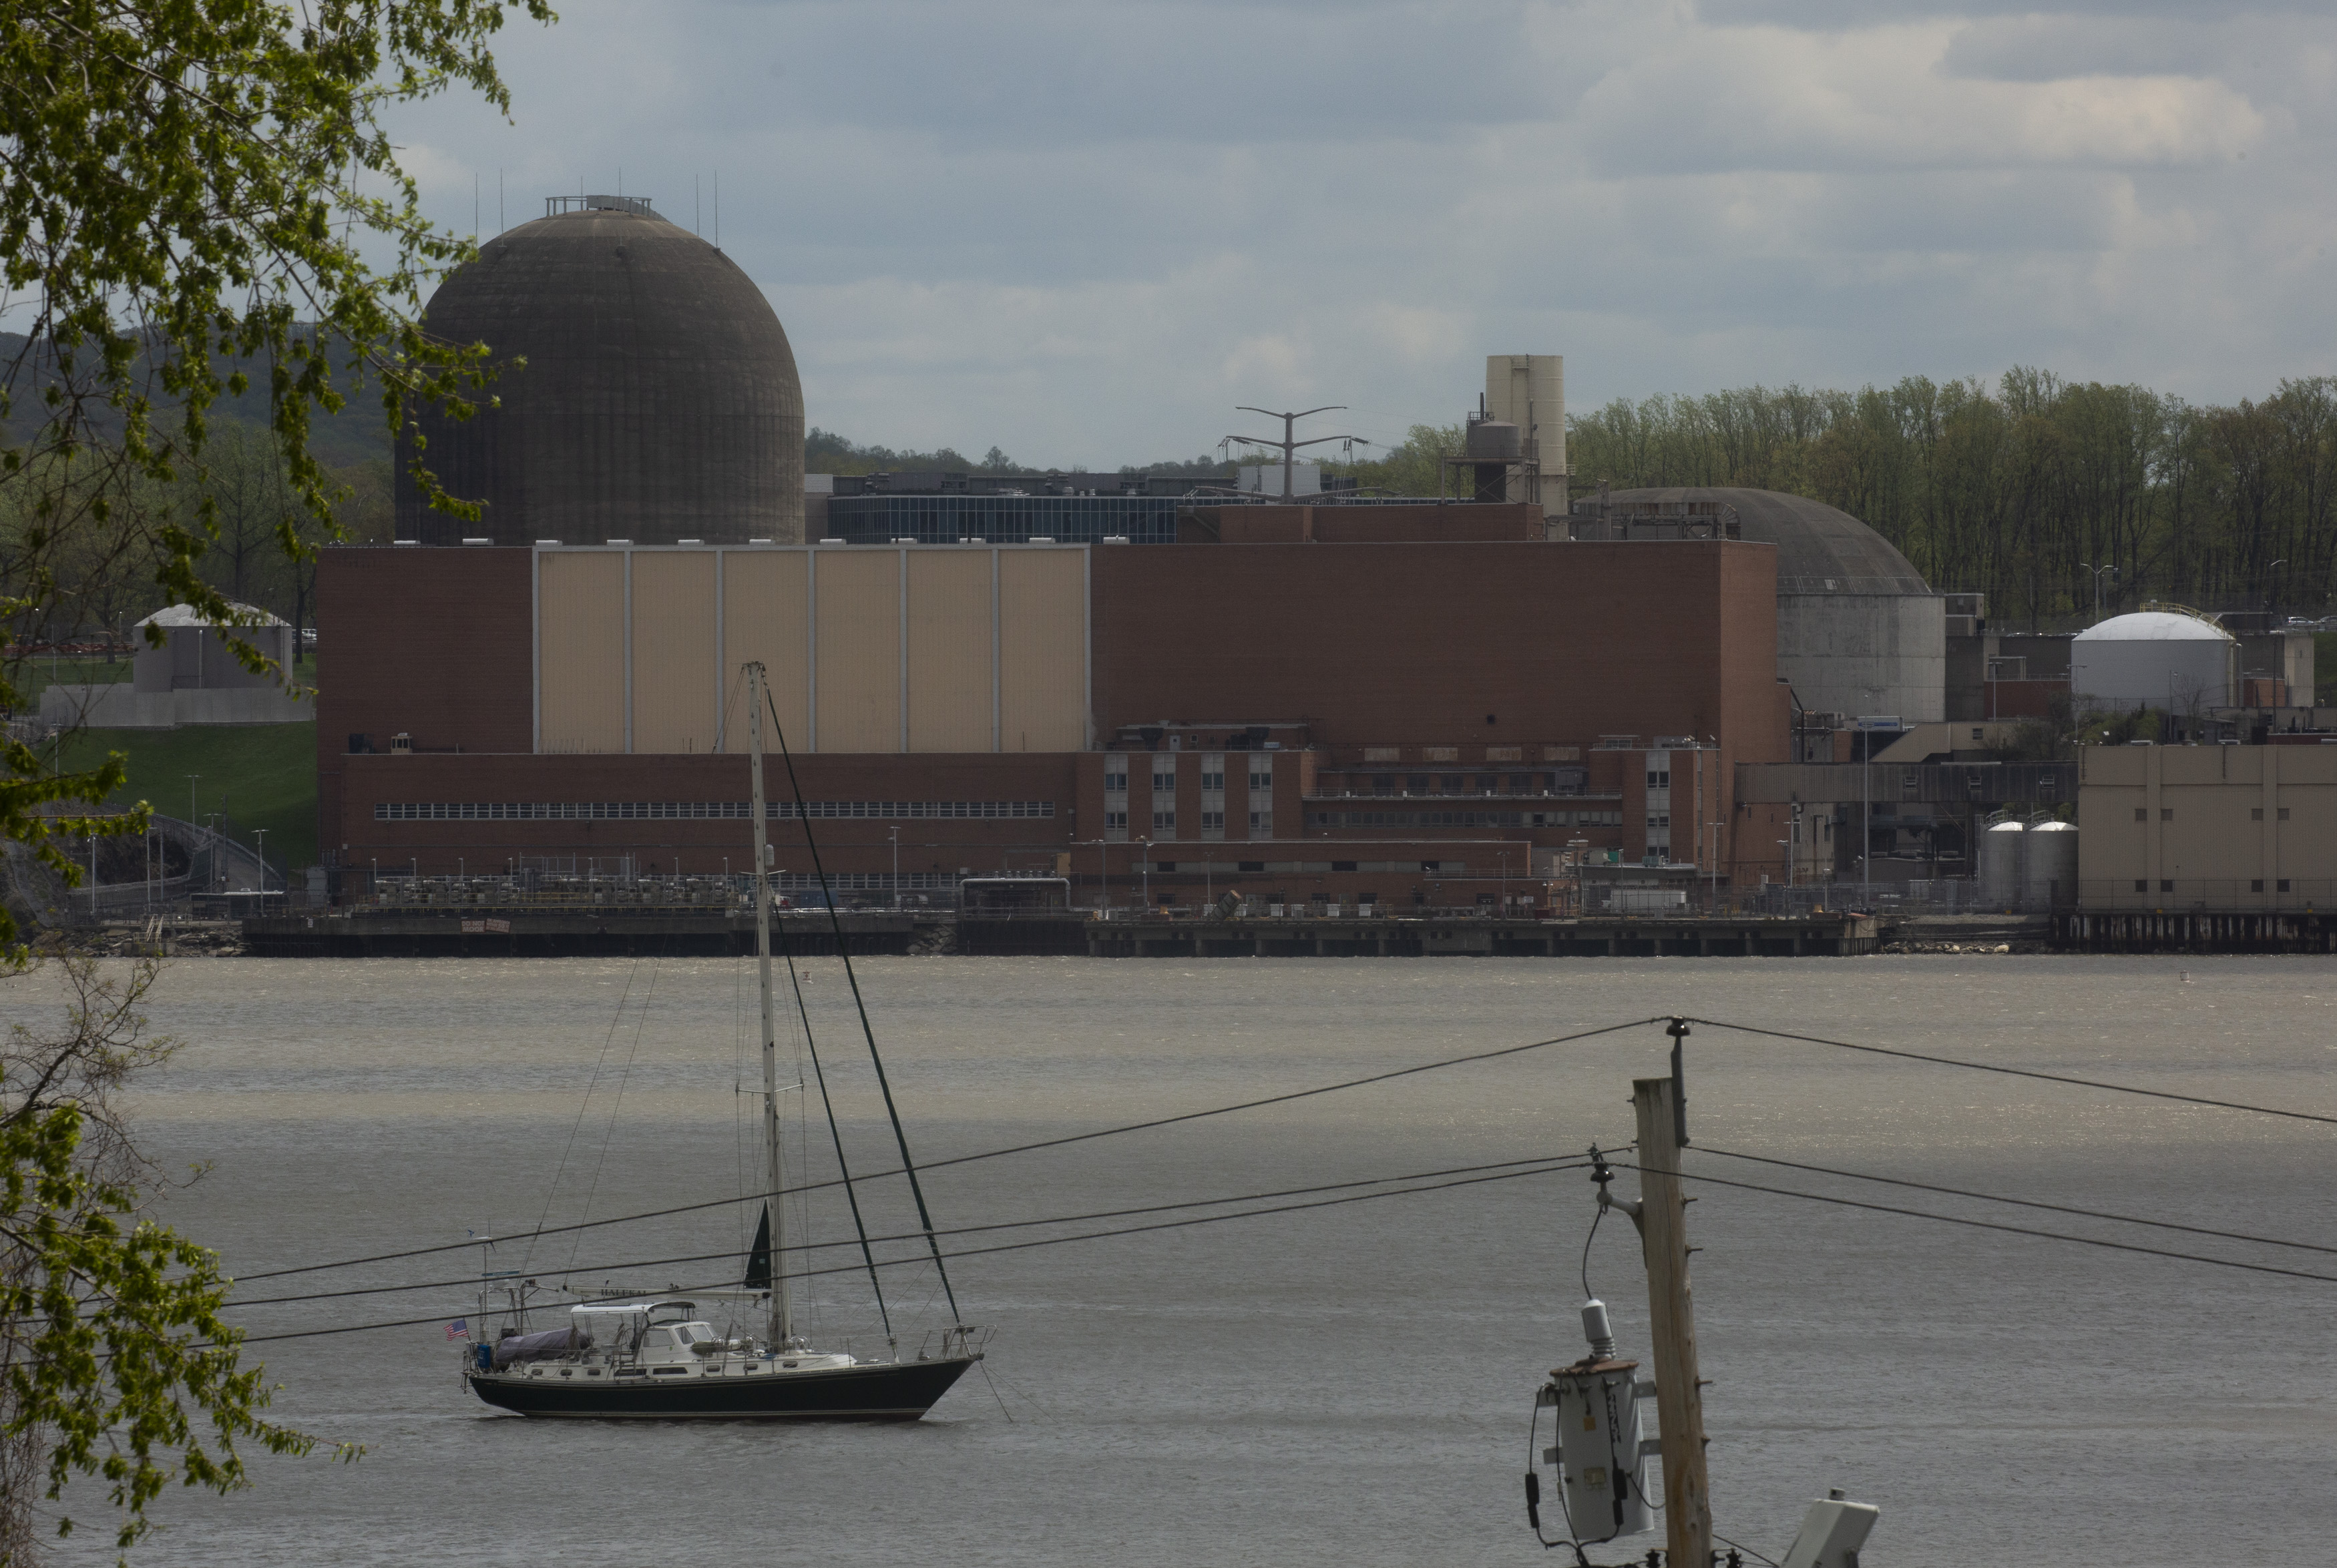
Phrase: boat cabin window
[658,1340]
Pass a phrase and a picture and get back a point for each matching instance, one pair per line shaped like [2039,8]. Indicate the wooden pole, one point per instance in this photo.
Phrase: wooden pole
[1679,1399]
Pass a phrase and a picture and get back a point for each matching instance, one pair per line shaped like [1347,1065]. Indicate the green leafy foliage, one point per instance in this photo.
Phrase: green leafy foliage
[190,193]
[114,1363]
[2017,491]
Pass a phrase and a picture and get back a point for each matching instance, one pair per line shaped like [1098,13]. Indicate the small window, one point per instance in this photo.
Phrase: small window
[1115,819]
[1261,821]
[1115,781]
[658,1340]
[1212,819]
[2141,814]
[1164,822]
[1343,865]
[2282,885]
[1520,783]
[1431,865]
[1213,781]
[2256,886]
[2166,813]
[1660,778]
[2166,884]
[1251,866]
[1261,781]
[1384,783]
[1976,732]
[2141,886]
[2255,814]
[1486,782]
[2284,814]
[1450,781]
[1417,784]
[1163,782]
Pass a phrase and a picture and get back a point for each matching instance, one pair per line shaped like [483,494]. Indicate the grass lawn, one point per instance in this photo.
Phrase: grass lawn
[264,775]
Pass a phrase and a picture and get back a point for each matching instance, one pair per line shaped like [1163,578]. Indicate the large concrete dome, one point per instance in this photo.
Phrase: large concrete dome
[659,402]
[1821,549]
[1859,631]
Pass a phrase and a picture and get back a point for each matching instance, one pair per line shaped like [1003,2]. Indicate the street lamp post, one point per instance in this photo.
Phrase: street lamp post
[896,867]
[2269,579]
[262,834]
[1144,866]
[1786,845]
[2098,572]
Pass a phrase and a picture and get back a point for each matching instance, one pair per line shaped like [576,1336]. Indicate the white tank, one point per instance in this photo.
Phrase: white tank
[2156,658]
[2050,878]
[1999,864]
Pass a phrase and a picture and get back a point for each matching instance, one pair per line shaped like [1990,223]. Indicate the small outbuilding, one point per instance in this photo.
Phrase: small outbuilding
[193,677]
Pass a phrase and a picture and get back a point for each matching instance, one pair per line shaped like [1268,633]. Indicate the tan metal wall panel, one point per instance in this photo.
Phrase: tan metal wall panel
[766,616]
[948,650]
[673,650]
[580,655]
[1042,650]
[859,642]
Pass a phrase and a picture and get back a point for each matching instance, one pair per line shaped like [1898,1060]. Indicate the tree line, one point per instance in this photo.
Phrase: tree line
[2020,491]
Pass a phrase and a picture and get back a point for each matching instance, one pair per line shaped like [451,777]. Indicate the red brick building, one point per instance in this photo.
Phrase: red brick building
[1424,711]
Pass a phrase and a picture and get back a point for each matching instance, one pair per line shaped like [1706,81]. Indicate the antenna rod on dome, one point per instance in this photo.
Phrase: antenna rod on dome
[717,209]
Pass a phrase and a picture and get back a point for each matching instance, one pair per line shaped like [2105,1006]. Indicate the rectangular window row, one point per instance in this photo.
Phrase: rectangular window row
[564,811]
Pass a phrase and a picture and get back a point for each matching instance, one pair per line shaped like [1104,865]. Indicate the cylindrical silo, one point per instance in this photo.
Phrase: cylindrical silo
[1999,864]
[2050,876]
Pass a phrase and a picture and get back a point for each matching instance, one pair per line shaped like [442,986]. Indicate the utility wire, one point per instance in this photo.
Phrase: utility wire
[2026,1202]
[999,1153]
[2019,1072]
[1010,1246]
[1549,1161]
[2010,1230]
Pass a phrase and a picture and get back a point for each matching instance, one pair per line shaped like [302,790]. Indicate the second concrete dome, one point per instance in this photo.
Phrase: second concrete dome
[660,400]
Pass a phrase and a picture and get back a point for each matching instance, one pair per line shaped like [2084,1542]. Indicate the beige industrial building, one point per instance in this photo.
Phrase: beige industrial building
[939,648]
[2207,827]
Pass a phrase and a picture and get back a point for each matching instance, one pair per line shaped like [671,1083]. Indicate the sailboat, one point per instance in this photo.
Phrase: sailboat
[659,1356]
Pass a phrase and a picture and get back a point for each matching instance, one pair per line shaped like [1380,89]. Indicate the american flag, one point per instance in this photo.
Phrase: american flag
[460,1329]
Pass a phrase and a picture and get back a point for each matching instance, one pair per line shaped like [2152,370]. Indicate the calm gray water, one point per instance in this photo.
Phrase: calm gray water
[1347,1386]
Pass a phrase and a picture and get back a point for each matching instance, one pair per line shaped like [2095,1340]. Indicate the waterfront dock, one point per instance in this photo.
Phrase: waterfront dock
[522,933]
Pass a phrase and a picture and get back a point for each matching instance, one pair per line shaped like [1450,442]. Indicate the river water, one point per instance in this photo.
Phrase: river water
[1348,1385]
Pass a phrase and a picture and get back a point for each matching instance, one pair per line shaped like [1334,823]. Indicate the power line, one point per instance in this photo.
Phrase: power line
[2019,1072]
[2026,1202]
[2011,1229]
[1546,1160]
[1010,1246]
[997,1153]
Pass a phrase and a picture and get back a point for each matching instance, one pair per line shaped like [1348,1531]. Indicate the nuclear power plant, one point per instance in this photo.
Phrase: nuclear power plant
[1158,691]
[646,390]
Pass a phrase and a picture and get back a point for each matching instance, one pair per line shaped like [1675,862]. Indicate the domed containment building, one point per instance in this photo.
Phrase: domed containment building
[659,402]
[1859,631]
[2166,659]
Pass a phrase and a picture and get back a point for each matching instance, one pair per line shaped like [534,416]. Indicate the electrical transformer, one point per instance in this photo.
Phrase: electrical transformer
[1601,1458]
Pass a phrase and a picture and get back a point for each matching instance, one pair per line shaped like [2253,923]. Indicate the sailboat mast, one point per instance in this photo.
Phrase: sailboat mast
[783,1328]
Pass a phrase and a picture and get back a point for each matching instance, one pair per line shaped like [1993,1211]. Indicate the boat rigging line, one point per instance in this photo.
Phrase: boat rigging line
[844,950]
[843,1171]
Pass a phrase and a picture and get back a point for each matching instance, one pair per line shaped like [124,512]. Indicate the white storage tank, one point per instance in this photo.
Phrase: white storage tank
[2050,878]
[2157,658]
[1999,864]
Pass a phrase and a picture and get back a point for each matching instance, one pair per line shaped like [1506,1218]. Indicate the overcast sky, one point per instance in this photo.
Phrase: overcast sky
[1085,232]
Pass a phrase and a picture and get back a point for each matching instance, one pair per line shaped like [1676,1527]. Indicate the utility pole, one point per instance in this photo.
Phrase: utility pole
[1662,1107]
[1287,445]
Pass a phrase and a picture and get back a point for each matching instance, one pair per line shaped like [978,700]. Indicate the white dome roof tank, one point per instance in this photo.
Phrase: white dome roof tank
[2159,659]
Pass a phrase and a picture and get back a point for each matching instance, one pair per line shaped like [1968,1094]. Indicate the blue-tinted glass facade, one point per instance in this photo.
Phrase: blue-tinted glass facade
[1002,519]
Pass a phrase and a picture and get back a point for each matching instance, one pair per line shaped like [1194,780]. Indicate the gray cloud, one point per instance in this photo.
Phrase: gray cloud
[1084,233]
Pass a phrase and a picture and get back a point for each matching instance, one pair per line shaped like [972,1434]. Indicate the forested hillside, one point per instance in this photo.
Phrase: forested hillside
[2017,491]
